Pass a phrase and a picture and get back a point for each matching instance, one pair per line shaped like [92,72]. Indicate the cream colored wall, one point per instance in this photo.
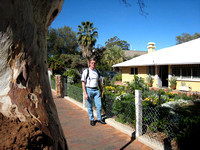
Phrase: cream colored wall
[194,85]
[128,77]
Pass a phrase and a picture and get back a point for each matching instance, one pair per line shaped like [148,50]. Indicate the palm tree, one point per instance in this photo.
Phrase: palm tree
[86,37]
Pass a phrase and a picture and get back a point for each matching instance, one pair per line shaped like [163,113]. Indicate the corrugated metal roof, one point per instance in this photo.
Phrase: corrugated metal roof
[185,53]
[133,53]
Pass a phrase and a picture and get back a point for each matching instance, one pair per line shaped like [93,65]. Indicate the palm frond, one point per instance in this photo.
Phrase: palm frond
[83,23]
[80,27]
[93,29]
[87,23]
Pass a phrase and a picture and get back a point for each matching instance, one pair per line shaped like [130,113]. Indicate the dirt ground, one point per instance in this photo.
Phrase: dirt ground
[21,135]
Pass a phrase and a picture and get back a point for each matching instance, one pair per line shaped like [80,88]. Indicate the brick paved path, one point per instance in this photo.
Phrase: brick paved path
[81,136]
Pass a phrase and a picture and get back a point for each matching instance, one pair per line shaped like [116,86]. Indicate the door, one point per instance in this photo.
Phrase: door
[163,75]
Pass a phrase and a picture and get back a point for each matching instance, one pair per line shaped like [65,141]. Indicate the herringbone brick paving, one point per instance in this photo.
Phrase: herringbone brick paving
[80,135]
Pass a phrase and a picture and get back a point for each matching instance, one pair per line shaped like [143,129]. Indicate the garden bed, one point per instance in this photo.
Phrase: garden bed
[183,111]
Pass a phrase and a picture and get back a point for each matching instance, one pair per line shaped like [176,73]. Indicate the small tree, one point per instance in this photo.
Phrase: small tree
[61,41]
[185,37]
[56,64]
[116,41]
[113,55]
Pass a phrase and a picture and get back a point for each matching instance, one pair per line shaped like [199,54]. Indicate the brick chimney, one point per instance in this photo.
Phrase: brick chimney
[151,47]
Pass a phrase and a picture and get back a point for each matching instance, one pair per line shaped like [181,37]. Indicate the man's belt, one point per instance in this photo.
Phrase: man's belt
[92,87]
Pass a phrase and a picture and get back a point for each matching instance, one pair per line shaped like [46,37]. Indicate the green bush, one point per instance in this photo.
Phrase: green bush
[73,75]
[117,77]
[189,122]
[184,96]
[53,86]
[78,85]
[124,108]
[138,83]
[106,81]
[75,92]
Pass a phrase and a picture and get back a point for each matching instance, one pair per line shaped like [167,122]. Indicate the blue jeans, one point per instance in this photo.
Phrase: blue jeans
[93,94]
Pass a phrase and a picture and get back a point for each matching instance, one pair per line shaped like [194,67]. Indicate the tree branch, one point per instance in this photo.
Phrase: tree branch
[141,6]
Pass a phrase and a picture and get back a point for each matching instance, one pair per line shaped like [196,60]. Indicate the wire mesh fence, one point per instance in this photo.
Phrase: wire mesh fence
[159,124]
[121,110]
[107,106]
[74,92]
[53,84]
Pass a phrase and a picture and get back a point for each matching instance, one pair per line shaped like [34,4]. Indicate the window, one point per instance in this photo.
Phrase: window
[196,71]
[151,70]
[134,71]
[176,71]
[186,71]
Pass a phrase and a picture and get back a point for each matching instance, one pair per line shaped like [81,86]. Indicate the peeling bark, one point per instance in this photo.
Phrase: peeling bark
[25,94]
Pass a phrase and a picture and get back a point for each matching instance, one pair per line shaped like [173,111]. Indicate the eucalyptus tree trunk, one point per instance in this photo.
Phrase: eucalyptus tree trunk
[28,116]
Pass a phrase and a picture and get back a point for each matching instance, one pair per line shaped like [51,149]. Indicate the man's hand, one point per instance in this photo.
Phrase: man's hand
[84,90]
[102,92]
[86,96]
[101,89]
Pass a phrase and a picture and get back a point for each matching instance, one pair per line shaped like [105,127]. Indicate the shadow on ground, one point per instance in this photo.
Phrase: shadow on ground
[133,137]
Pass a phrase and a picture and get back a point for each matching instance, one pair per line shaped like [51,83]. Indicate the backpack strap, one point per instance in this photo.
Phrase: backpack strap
[87,75]
[98,73]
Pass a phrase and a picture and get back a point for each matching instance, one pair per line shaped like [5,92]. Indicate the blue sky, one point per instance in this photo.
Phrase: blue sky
[166,20]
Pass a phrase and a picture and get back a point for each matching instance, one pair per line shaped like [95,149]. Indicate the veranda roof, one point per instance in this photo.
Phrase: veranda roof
[185,53]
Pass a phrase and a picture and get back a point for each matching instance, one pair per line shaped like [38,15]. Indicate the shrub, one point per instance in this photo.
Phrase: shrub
[137,84]
[188,128]
[73,74]
[78,85]
[106,81]
[117,77]
[124,108]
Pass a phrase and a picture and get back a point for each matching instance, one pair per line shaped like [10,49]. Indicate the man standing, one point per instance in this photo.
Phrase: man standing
[90,82]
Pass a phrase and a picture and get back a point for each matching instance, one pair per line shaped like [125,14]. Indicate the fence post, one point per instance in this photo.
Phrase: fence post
[84,101]
[59,86]
[138,112]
